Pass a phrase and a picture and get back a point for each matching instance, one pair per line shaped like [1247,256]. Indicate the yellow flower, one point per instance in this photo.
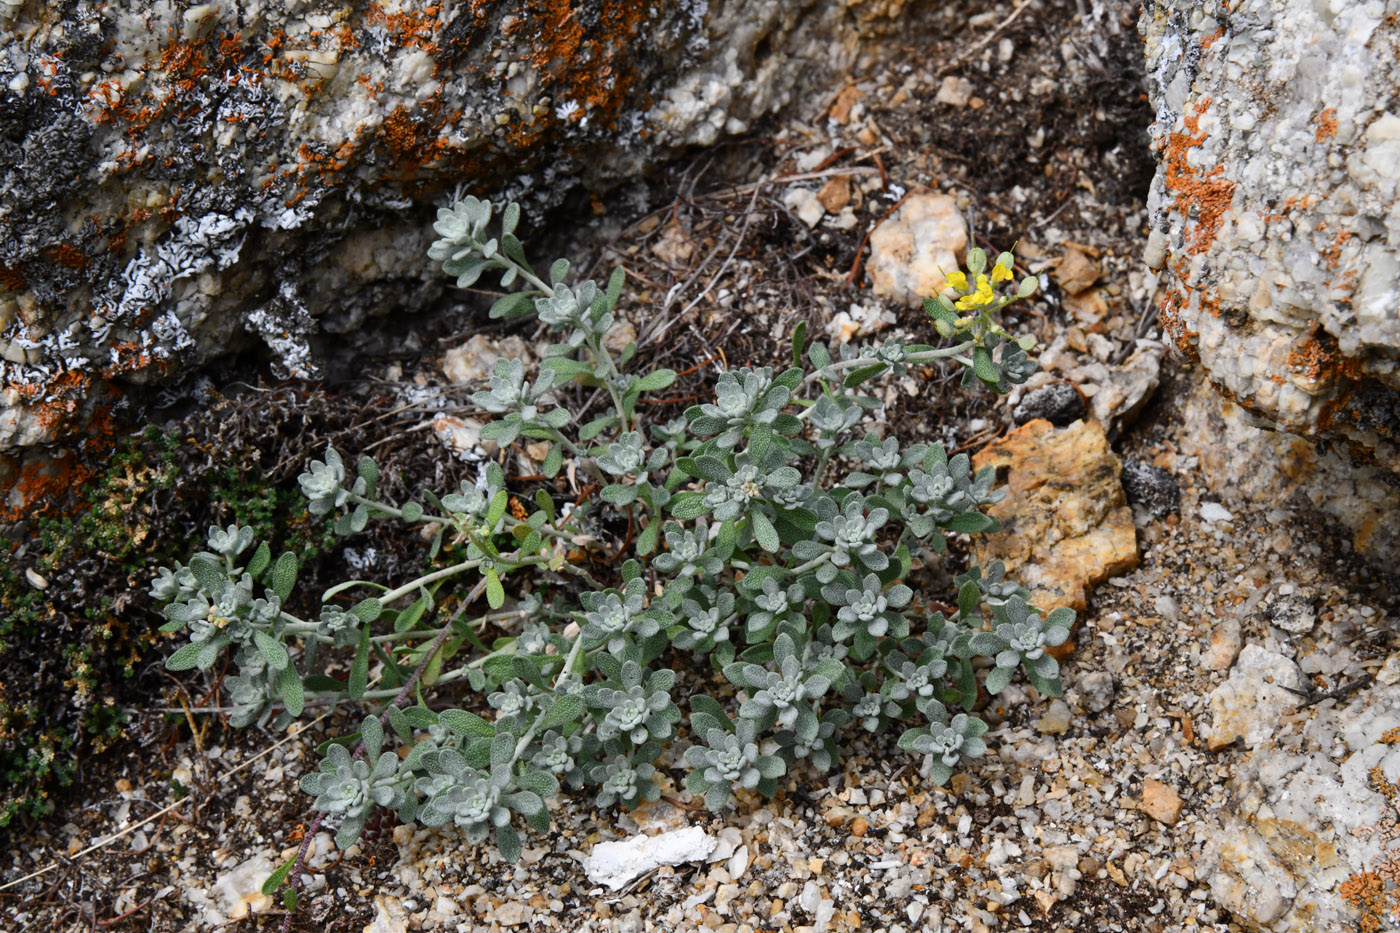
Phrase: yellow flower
[1000,273]
[958,281]
[983,296]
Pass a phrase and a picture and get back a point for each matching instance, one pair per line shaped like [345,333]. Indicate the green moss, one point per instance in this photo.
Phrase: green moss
[148,507]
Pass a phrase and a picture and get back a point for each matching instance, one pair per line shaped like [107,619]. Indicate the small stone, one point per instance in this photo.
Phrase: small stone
[954,91]
[804,203]
[239,890]
[389,916]
[1292,614]
[835,194]
[1059,403]
[1056,719]
[1215,512]
[841,109]
[1088,308]
[1389,674]
[461,436]
[674,247]
[474,361]
[859,826]
[1160,802]
[36,579]
[1167,608]
[738,862]
[1224,646]
[1150,487]
[620,335]
[1121,395]
[1096,690]
[1076,272]
[512,913]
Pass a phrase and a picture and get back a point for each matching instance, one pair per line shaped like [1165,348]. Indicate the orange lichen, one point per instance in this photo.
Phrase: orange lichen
[11,279]
[41,486]
[409,29]
[66,254]
[1326,122]
[1333,254]
[1202,196]
[1376,893]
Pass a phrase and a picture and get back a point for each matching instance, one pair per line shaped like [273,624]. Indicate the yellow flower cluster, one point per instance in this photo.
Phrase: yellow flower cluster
[983,295]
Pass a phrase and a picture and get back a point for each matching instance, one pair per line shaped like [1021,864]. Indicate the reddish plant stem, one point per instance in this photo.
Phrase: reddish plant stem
[294,877]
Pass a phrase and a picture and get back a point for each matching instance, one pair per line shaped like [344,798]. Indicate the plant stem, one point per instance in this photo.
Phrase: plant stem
[921,357]
[529,735]
[812,564]
[442,574]
[393,512]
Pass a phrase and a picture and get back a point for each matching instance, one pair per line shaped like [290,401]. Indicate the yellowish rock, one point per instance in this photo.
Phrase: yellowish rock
[1066,522]
[1076,272]
[1160,801]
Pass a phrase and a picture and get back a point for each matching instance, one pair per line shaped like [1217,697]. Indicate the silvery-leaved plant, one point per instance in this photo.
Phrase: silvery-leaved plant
[767,535]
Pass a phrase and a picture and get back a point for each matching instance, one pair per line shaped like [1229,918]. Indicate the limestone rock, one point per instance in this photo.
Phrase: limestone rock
[617,864]
[1249,704]
[1274,208]
[181,188]
[1240,462]
[1067,525]
[1300,825]
[915,246]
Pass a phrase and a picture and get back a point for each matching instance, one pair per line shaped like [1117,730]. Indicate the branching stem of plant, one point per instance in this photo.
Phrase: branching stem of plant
[294,877]
[925,356]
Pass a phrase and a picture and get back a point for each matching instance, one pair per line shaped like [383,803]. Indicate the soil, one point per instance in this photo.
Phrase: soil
[1050,150]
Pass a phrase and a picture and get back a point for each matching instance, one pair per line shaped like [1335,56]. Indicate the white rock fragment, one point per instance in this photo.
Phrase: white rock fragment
[1250,703]
[389,916]
[618,864]
[805,204]
[1389,675]
[461,436]
[860,321]
[239,890]
[1215,512]
[914,249]
[738,863]
[954,91]
[474,361]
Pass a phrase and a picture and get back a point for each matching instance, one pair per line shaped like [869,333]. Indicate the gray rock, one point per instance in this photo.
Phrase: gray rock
[1097,690]
[180,183]
[1058,403]
[1293,615]
[1275,217]
[1150,487]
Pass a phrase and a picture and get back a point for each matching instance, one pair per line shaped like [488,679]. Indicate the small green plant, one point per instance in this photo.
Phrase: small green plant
[771,540]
